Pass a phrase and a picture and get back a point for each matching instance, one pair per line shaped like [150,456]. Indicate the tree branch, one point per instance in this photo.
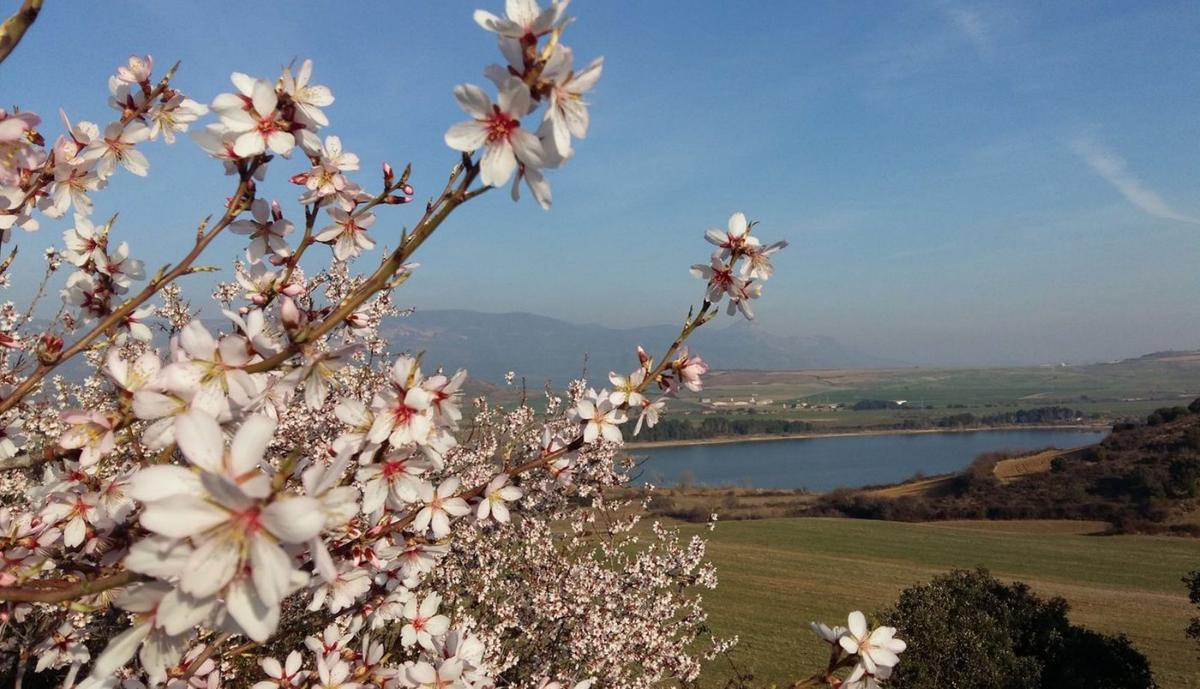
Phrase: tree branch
[13,29]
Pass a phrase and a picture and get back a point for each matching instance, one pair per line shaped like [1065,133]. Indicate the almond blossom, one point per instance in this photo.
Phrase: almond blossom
[283,675]
[230,517]
[496,496]
[423,621]
[600,419]
[309,98]
[266,228]
[523,18]
[188,501]
[567,112]
[497,129]
[875,648]
[440,504]
[251,115]
[118,146]
[91,432]
[347,233]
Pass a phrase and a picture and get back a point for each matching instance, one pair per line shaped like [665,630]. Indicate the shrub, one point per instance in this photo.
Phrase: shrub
[968,630]
[1193,583]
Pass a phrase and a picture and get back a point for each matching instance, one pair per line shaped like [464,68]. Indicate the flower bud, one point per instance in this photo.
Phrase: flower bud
[388,174]
[48,348]
[394,200]
[291,289]
[289,313]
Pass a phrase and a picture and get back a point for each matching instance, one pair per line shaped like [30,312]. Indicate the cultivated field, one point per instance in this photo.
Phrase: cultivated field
[778,574]
[1132,387]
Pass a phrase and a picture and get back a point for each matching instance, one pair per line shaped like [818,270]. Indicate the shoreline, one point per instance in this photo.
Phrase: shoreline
[727,440]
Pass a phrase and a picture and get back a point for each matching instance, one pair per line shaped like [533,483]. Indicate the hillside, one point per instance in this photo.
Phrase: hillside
[1144,477]
[540,348]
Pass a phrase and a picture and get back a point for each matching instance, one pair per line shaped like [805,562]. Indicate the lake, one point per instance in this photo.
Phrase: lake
[844,461]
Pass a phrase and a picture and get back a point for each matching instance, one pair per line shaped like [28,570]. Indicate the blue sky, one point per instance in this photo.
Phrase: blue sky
[960,183]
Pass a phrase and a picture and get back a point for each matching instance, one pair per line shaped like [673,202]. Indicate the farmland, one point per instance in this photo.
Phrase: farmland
[1131,387]
[777,574]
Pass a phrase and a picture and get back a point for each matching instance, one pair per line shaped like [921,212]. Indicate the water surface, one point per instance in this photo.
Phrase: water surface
[844,461]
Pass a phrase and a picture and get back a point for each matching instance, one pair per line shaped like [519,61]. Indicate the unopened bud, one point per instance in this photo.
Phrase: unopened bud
[289,313]
[395,200]
[276,211]
[291,290]
[300,178]
[388,174]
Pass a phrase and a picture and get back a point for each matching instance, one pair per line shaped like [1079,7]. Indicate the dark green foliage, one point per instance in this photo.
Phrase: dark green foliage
[1166,415]
[1039,415]
[1193,583]
[867,405]
[968,630]
[720,426]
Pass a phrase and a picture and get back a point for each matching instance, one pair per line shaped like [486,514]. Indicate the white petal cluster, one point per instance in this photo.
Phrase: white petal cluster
[268,479]
[534,75]
[738,267]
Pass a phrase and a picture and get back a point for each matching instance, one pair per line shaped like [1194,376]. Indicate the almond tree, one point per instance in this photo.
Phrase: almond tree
[264,500]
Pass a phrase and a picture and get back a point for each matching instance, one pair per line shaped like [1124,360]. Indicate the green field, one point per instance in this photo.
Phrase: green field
[778,574]
[1131,387]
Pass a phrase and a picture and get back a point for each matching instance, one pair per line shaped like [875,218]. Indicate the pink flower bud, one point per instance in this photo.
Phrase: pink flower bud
[289,313]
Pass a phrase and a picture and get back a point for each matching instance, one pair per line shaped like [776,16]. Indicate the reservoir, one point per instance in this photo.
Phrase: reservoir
[821,464]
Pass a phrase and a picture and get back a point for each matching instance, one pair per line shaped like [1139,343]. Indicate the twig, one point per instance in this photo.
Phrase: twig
[13,29]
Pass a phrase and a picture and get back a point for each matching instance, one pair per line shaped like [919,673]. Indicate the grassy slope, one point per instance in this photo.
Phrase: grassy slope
[778,574]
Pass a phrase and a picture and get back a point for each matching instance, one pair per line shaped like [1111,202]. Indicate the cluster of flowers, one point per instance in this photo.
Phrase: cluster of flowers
[166,517]
[61,178]
[871,653]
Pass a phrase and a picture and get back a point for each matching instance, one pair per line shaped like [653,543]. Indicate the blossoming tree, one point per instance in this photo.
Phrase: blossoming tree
[263,501]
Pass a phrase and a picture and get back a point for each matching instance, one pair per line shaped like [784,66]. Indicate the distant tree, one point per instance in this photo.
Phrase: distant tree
[968,630]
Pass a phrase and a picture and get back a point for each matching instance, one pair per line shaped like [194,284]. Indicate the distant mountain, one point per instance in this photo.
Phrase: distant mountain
[540,348]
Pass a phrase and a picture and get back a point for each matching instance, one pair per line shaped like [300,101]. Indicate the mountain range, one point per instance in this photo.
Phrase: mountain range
[540,348]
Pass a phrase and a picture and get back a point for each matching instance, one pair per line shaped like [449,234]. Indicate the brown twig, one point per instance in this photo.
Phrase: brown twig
[13,29]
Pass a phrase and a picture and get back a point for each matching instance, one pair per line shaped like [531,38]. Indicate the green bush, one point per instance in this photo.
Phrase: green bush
[1193,583]
[968,630]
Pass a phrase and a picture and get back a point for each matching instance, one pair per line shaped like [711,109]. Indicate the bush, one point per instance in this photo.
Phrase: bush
[1193,583]
[1166,415]
[968,630]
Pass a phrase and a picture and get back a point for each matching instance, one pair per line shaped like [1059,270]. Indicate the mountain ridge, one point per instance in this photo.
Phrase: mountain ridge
[539,347]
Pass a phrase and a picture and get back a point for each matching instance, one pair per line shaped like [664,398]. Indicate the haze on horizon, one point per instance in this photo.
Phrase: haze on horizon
[961,182]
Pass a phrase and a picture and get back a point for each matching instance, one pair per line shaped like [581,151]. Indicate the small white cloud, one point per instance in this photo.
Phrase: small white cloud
[1113,169]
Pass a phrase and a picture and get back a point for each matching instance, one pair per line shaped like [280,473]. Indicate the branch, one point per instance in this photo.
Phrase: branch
[13,29]
[236,205]
[381,279]
[18,594]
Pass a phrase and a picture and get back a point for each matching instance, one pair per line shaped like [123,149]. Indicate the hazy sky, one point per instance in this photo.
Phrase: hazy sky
[960,182]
